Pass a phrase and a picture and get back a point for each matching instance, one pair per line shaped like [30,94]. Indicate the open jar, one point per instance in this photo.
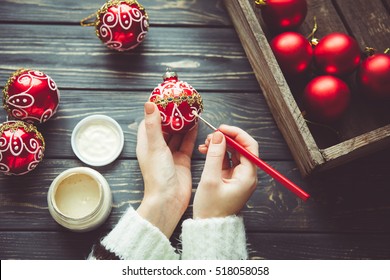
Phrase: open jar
[80,199]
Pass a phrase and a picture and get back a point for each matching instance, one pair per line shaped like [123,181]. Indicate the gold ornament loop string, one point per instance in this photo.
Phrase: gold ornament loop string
[83,22]
[261,2]
[368,51]
[387,51]
[313,40]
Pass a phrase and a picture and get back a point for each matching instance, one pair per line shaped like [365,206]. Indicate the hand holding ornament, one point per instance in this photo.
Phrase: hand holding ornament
[165,162]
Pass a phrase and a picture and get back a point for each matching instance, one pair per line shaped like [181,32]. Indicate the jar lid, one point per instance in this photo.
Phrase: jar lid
[97,140]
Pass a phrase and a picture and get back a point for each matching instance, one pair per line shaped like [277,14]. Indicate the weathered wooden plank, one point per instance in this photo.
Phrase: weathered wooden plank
[273,246]
[279,246]
[353,199]
[160,12]
[372,30]
[246,110]
[209,58]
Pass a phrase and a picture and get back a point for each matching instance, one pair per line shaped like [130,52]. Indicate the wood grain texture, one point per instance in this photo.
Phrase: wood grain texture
[209,59]
[161,12]
[372,30]
[336,204]
[347,217]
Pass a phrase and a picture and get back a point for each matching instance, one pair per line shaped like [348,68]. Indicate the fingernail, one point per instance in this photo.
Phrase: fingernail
[149,108]
[217,138]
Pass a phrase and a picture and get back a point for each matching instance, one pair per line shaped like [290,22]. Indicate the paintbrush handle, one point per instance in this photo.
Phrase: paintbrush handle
[268,169]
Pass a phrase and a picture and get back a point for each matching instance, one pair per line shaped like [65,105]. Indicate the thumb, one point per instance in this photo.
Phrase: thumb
[153,126]
[214,158]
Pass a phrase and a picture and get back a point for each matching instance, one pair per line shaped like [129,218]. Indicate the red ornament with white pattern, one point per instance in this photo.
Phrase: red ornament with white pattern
[21,147]
[121,25]
[176,101]
[31,96]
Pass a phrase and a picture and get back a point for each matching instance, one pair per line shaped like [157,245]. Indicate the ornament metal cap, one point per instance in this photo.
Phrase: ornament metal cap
[169,73]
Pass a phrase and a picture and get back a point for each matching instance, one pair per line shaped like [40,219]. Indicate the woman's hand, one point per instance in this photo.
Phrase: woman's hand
[165,162]
[226,184]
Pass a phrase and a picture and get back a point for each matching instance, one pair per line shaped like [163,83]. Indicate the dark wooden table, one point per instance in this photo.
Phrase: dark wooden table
[348,215]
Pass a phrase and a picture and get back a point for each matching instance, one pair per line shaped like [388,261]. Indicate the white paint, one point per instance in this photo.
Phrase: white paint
[97,140]
[77,196]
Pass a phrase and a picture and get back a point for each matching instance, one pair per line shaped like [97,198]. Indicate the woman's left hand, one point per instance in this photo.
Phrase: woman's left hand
[165,162]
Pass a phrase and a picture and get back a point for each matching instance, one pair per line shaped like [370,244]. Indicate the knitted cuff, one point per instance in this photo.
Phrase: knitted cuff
[135,238]
[214,239]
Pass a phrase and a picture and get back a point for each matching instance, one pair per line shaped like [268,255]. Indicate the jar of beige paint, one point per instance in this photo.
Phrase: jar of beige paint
[80,199]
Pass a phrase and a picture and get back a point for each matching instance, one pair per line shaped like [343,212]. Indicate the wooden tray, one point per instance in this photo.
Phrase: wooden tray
[364,129]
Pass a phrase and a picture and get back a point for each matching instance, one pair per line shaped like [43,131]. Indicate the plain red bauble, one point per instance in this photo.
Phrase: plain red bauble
[176,101]
[122,25]
[31,96]
[337,54]
[21,147]
[373,77]
[293,53]
[326,98]
[282,15]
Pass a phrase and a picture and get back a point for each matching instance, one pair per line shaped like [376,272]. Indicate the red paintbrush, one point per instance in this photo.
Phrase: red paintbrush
[261,164]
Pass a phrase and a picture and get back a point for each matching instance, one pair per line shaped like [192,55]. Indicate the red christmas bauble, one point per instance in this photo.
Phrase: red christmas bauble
[21,147]
[176,101]
[293,53]
[337,54]
[373,76]
[281,15]
[31,96]
[326,98]
[122,25]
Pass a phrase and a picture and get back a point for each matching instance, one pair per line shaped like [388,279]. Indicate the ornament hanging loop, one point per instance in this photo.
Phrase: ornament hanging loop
[313,40]
[368,51]
[84,21]
[260,3]
[387,51]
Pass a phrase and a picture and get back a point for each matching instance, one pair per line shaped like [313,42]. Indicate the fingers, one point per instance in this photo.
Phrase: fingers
[188,143]
[241,137]
[152,126]
[214,158]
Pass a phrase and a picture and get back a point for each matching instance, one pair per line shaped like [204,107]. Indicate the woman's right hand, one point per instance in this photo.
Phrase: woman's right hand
[226,184]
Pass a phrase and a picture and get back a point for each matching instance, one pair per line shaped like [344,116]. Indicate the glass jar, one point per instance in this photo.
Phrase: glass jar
[80,199]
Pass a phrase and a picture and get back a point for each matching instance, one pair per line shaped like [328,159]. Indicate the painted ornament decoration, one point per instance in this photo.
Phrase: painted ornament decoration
[31,96]
[21,147]
[176,101]
[121,25]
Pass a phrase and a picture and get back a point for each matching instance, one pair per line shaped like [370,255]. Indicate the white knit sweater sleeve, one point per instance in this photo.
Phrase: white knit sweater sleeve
[135,238]
[214,239]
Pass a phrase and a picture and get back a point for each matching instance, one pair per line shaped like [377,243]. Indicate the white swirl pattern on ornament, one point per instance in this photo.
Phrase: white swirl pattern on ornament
[16,146]
[125,20]
[23,100]
[169,89]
